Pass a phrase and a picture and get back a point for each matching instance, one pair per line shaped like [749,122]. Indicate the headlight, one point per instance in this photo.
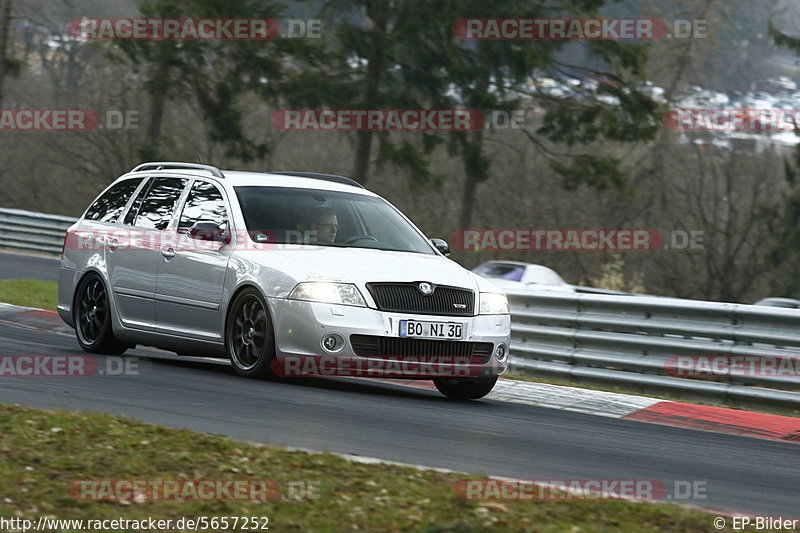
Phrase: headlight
[493,304]
[328,292]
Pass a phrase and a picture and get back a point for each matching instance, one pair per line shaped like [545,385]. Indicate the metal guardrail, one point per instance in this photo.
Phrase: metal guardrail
[630,342]
[27,230]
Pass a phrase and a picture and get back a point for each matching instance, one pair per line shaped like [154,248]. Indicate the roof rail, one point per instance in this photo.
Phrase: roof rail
[160,165]
[319,176]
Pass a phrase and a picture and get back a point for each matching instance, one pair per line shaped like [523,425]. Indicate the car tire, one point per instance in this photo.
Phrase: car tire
[465,388]
[92,315]
[249,338]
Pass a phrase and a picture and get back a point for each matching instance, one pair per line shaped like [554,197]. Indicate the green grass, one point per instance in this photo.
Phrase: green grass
[44,451]
[29,293]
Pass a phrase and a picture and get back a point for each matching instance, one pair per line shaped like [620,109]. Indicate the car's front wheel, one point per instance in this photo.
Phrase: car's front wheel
[249,339]
[92,316]
[465,388]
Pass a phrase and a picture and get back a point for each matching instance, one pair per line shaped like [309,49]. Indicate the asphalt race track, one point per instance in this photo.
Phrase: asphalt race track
[410,425]
[16,266]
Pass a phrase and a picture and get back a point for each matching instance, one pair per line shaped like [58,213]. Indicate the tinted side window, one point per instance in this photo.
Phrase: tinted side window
[130,217]
[204,204]
[157,207]
[109,207]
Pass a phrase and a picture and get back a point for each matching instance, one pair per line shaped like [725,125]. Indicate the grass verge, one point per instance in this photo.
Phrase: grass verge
[44,451]
[29,293]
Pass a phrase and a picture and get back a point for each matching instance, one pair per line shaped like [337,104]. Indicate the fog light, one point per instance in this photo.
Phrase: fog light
[501,352]
[332,343]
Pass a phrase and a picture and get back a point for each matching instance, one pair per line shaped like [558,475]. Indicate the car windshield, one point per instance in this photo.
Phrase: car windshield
[283,215]
[501,271]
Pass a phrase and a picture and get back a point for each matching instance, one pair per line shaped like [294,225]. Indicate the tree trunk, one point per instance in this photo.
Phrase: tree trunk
[5,23]
[473,174]
[158,100]
[372,83]
[467,201]
[363,153]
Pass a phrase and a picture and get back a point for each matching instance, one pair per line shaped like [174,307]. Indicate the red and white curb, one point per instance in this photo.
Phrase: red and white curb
[599,403]
[721,420]
[652,410]
[611,404]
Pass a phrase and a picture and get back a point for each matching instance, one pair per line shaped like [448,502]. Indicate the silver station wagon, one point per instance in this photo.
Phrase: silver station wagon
[284,273]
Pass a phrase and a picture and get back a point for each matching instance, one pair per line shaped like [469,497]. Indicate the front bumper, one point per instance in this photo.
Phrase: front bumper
[300,328]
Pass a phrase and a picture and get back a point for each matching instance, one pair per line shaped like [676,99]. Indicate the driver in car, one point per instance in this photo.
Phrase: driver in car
[325,226]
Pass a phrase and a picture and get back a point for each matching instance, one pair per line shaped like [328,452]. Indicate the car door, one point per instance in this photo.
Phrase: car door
[191,275]
[85,243]
[133,252]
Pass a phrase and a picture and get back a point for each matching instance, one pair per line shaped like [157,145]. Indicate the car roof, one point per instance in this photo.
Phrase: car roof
[240,178]
[278,179]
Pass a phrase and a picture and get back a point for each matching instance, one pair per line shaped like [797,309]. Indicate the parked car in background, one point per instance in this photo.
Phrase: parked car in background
[517,275]
[788,303]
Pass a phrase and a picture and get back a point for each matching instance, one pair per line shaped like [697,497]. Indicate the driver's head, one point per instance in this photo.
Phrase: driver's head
[326,225]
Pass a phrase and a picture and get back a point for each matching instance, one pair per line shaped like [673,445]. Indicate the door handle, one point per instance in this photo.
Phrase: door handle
[168,253]
[112,244]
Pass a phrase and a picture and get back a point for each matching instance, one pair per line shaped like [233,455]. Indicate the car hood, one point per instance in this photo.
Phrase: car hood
[360,266]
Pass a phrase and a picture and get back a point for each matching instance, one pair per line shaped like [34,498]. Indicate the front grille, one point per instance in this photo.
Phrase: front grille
[407,298]
[395,348]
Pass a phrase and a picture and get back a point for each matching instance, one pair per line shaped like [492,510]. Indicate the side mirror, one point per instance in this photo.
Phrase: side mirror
[208,231]
[441,245]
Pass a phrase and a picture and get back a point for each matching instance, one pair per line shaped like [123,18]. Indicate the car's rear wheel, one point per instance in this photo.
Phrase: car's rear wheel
[249,339]
[92,315]
[465,388]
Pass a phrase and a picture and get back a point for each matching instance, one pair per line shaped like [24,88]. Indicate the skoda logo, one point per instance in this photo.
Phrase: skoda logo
[426,288]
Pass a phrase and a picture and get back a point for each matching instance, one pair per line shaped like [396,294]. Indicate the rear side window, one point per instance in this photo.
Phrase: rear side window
[130,216]
[159,204]
[110,205]
[204,204]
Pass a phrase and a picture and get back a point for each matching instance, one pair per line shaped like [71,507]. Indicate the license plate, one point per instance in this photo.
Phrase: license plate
[431,330]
